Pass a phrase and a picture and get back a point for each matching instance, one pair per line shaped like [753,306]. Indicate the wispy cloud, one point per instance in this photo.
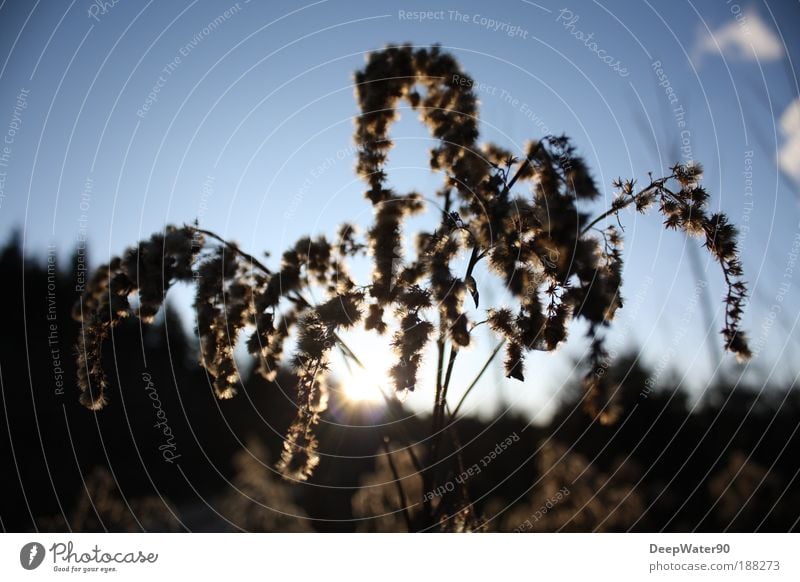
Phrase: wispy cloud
[746,38]
[789,153]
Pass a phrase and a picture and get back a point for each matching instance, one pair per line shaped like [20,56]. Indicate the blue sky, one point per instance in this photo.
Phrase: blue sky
[123,117]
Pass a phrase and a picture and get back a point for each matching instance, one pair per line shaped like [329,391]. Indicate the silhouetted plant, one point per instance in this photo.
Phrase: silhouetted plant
[542,245]
[571,494]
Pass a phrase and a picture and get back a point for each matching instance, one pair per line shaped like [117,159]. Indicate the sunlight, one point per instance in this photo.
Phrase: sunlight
[365,384]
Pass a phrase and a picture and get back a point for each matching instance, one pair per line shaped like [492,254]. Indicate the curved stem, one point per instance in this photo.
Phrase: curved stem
[627,202]
[234,248]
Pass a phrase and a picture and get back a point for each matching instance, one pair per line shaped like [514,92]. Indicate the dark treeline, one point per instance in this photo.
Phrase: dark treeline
[167,455]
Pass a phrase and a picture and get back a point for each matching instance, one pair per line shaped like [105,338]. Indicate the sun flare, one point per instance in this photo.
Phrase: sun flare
[365,384]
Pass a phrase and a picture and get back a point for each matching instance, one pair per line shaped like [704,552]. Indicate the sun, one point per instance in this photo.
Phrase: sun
[369,382]
[363,385]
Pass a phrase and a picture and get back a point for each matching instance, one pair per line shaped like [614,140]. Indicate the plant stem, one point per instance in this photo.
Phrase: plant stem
[476,379]
[613,210]
[235,249]
[398,484]
[522,166]
[439,370]
[450,364]
[439,412]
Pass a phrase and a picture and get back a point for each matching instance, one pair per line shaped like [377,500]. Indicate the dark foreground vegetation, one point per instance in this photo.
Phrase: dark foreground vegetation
[170,456]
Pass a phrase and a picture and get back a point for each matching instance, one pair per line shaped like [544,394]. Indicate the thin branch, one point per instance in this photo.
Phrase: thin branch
[474,382]
[450,364]
[398,484]
[439,370]
[659,184]
[439,408]
[522,166]
[234,248]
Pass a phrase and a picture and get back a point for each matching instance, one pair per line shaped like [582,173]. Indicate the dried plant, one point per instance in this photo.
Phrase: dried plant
[381,503]
[103,507]
[259,501]
[572,495]
[527,217]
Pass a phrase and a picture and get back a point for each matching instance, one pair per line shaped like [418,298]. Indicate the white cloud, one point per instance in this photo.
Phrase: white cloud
[789,153]
[746,38]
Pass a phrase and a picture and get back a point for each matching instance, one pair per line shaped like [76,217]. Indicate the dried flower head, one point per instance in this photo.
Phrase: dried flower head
[527,217]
